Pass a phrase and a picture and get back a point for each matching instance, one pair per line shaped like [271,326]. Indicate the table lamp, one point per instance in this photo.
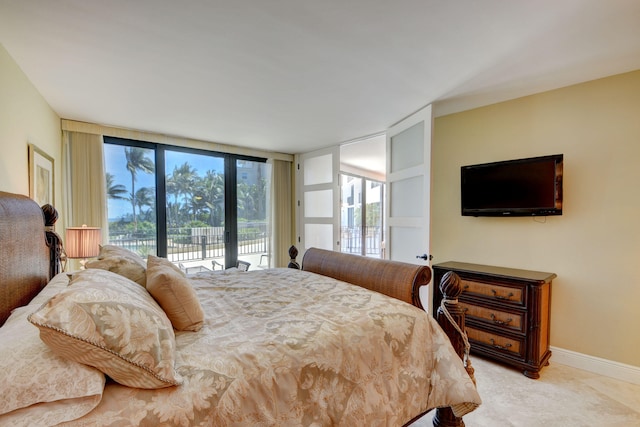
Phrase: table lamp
[82,243]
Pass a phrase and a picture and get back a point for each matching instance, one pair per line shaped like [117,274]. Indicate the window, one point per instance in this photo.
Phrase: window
[362,216]
[186,204]
[131,197]
[195,207]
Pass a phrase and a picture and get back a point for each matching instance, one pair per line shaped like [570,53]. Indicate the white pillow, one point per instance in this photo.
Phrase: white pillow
[34,380]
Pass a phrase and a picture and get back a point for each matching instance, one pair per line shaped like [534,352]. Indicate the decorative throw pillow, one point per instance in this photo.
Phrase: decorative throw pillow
[113,250]
[173,291]
[106,321]
[121,261]
[32,375]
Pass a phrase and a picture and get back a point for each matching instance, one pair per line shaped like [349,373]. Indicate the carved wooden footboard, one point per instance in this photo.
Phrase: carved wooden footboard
[395,279]
[398,280]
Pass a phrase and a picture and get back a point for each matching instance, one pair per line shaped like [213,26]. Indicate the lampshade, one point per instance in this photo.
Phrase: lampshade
[82,242]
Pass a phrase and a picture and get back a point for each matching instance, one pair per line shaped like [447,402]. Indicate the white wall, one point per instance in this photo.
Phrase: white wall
[25,118]
[594,247]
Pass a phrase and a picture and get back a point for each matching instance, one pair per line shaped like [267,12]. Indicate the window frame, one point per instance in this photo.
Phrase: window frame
[230,198]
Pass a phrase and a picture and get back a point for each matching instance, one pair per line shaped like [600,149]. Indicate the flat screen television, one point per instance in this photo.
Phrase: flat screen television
[523,187]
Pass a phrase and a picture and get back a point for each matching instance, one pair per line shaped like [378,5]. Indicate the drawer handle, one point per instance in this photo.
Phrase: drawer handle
[500,322]
[465,287]
[502,297]
[498,346]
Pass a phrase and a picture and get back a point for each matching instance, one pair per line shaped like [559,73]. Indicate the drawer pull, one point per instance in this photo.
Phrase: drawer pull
[498,346]
[500,322]
[465,287]
[502,297]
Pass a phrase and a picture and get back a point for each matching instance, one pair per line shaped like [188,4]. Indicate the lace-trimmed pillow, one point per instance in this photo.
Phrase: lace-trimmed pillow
[173,291]
[106,321]
[121,261]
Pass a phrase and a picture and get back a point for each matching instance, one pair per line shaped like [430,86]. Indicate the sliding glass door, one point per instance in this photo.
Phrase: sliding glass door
[195,210]
[202,210]
[252,195]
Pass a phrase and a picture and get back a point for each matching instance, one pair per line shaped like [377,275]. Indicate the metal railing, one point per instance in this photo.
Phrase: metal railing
[351,240]
[197,243]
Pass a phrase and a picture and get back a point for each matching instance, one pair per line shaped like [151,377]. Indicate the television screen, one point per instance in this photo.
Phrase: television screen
[523,187]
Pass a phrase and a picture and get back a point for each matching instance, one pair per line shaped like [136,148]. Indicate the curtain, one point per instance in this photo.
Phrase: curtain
[282,226]
[85,194]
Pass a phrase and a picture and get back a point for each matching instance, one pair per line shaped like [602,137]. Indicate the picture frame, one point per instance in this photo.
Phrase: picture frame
[41,176]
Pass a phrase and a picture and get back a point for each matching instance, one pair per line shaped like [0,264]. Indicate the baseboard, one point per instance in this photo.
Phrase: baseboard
[608,368]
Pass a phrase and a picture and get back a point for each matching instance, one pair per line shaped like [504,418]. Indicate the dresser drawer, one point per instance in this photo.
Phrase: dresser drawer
[506,294]
[504,319]
[496,342]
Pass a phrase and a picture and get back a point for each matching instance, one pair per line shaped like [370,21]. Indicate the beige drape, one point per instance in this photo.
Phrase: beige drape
[85,194]
[282,226]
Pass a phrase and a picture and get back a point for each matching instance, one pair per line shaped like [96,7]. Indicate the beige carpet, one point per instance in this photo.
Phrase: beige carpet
[563,396]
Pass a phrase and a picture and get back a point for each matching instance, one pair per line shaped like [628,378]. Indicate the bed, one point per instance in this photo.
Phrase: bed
[342,341]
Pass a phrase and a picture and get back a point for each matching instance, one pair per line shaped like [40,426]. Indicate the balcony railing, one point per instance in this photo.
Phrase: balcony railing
[351,240]
[197,243]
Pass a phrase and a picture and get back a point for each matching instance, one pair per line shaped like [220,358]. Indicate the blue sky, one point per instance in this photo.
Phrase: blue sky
[116,164]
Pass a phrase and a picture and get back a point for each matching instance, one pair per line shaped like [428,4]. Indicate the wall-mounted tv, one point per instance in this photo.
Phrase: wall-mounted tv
[523,187]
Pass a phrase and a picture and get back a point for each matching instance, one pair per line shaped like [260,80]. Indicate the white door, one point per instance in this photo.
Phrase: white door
[408,192]
[318,200]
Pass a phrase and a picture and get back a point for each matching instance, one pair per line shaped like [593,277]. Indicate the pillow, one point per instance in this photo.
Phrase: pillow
[122,261]
[34,380]
[107,321]
[113,250]
[173,291]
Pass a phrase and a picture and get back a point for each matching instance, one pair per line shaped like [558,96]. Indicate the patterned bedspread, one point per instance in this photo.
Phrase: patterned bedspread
[285,347]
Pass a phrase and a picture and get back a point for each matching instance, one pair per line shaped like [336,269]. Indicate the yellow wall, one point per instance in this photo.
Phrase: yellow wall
[594,247]
[25,117]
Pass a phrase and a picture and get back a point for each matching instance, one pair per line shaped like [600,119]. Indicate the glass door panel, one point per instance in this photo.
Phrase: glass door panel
[361,216]
[252,193]
[351,214]
[131,198]
[374,229]
[195,210]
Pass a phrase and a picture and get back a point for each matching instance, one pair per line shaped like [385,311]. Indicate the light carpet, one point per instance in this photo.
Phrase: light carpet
[562,396]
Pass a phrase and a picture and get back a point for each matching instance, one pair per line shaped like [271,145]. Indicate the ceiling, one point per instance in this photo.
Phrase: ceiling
[296,75]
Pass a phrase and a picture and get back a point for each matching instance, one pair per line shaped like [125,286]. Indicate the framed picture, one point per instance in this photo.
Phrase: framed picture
[40,176]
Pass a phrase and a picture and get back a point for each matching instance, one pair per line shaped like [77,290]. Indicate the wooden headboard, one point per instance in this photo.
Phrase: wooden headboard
[29,255]
[395,279]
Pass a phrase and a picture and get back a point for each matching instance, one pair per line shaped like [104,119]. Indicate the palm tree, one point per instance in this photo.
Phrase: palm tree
[137,160]
[145,197]
[214,196]
[259,199]
[115,191]
[245,200]
[182,182]
[198,202]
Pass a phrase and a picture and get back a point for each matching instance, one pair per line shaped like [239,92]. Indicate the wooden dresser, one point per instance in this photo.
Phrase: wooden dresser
[507,312]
